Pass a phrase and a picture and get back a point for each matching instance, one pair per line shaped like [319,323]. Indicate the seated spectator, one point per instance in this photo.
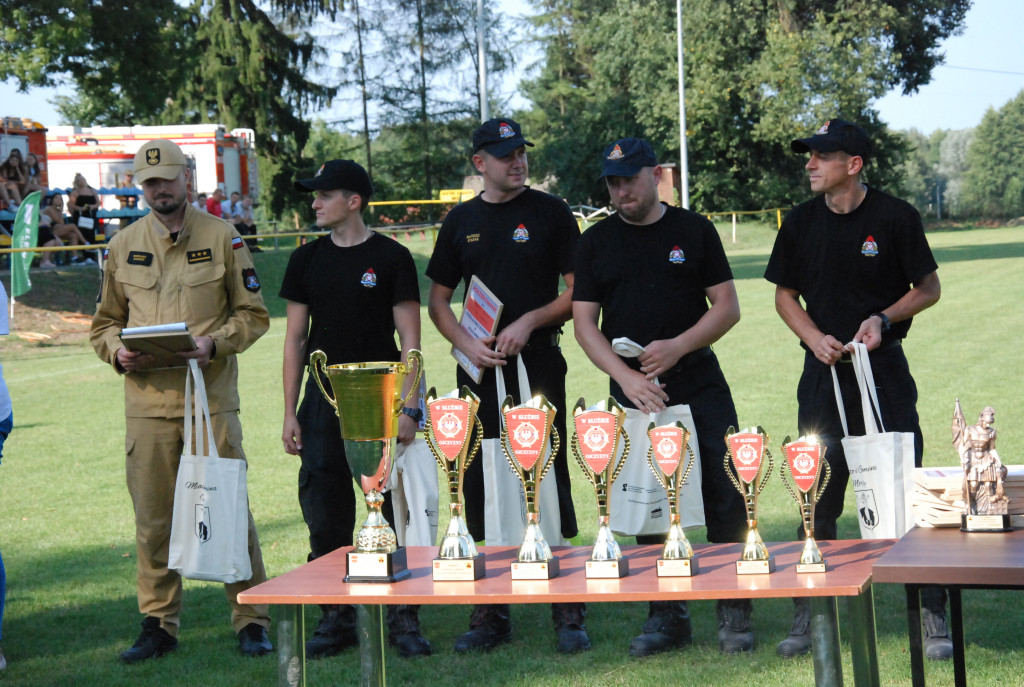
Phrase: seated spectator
[247,227]
[55,230]
[200,202]
[83,202]
[126,202]
[14,177]
[213,203]
[34,178]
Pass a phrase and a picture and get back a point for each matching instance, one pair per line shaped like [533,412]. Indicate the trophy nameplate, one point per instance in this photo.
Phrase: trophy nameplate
[986,523]
[668,444]
[376,567]
[595,443]
[749,464]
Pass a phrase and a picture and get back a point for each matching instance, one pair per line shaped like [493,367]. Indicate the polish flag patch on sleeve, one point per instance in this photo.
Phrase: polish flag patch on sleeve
[237,243]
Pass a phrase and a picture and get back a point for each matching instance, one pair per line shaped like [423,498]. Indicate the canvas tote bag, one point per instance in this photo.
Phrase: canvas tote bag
[504,500]
[210,520]
[413,487]
[637,502]
[881,463]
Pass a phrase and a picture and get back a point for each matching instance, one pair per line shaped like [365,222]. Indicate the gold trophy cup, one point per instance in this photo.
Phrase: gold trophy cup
[805,459]
[450,436]
[524,440]
[668,443]
[749,464]
[595,443]
[368,400]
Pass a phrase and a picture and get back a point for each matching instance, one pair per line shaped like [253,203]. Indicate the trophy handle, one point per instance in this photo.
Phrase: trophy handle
[478,437]
[318,363]
[413,356]
[574,443]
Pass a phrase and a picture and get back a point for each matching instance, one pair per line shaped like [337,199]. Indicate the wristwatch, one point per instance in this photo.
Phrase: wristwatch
[415,413]
[886,324]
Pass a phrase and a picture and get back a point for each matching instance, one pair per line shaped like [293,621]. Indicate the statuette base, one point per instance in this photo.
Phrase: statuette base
[535,570]
[459,569]
[677,567]
[607,569]
[986,523]
[756,567]
[376,567]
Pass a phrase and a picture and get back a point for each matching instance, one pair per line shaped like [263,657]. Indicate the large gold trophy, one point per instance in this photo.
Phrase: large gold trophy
[595,443]
[524,440]
[804,461]
[368,400]
[668,444]
[749,464]
[450,436]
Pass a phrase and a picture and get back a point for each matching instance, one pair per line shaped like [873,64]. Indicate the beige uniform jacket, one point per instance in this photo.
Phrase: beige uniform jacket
[206,279]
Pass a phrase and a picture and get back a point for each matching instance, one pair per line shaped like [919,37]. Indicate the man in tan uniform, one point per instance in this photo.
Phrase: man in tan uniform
[177,265]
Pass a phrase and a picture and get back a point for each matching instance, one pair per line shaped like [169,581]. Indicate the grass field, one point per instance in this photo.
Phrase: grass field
[67,533]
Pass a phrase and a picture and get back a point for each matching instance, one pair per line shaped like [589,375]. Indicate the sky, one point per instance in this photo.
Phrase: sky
[984,68]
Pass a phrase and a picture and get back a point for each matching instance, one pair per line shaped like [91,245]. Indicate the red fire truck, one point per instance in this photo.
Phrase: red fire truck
[219,158]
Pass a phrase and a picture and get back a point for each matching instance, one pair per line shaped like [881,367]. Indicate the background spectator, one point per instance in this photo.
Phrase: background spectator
[55,230]
[213,203]
[33,176]
[83,202]
[200,202]
[14,176]
[247,227]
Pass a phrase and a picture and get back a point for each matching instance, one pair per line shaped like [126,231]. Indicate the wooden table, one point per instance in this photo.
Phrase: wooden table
[957,560]
[849,575]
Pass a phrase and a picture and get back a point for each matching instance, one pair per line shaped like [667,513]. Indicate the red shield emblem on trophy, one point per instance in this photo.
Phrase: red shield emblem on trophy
[596,431]
[804,463]
[527,435]
[450,420]
[668,444]
[747,449]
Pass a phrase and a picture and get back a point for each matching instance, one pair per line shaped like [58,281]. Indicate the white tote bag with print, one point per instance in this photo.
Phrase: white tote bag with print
[504,500]
[210,519]
[637,502]
[881,463]
[414,494]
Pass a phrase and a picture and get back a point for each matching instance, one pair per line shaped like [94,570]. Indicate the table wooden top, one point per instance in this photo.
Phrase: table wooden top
[947,556]
[320,581]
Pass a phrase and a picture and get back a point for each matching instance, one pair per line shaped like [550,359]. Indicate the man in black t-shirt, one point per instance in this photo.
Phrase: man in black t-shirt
[347,293]
[859,261]
[518,241]
[649,272]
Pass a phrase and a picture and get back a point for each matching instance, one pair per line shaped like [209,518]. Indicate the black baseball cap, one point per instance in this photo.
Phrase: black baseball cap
[499,137]
[836,134]
[626,157]
[334,175]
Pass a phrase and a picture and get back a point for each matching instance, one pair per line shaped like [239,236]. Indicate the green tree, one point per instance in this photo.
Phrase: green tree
[757,74]
[123,63]
[994,181]
[233,62]
[952,166]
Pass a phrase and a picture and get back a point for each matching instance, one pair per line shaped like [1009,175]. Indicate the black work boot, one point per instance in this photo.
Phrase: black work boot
[667,627]
[335,633]
[489,626]
[572,633]
[153,642]
[937,644]
[799,640]
[735,633]
[253,640]
[404,631]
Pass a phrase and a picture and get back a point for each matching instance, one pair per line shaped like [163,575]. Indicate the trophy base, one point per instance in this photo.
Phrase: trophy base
[459,569]
[535,570]
[986,523]
[811,567]
[376,567]
[756,567]
[604,570]
[677,567]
